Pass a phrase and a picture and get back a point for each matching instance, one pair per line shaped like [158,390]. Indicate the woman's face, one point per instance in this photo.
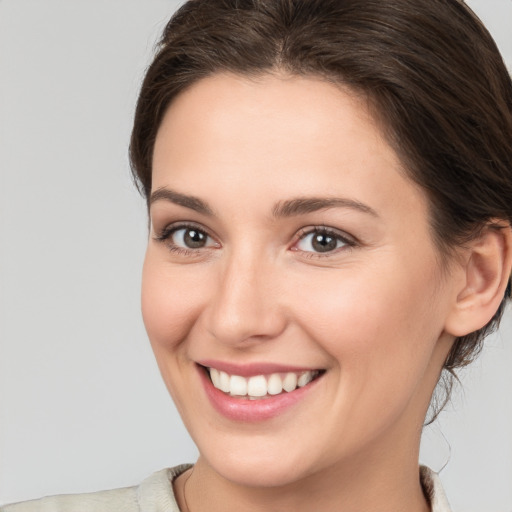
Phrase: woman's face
[287,245]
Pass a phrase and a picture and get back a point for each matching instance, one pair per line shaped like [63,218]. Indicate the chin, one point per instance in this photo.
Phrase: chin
[258,473]
[254,463]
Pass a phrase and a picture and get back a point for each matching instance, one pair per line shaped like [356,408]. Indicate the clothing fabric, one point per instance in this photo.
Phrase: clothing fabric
[156,494]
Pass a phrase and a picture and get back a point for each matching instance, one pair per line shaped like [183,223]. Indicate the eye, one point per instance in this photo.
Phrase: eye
[189,238]
[186,238]
[322,240]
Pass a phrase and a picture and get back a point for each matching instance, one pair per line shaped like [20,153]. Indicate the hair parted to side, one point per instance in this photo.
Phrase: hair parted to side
[431,72]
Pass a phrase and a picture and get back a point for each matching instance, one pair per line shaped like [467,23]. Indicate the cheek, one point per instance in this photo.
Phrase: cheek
[379,328]
[171,300]
[364,304]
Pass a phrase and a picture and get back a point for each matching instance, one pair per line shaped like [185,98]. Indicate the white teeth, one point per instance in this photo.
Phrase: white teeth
[214,374]
[257,386]
[224,382]
[237,385]
[290,382]
[304,379]
[275,384]
[260,386]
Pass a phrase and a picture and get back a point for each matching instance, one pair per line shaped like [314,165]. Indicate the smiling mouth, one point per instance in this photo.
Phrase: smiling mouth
[260,387]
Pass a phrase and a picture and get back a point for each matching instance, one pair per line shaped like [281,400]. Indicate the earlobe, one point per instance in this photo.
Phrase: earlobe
[487,272]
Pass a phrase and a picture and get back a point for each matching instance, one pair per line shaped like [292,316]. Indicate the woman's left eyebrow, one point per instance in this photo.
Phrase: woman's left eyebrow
[304,205]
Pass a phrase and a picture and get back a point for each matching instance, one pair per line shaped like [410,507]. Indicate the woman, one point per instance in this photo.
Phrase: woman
[329,189]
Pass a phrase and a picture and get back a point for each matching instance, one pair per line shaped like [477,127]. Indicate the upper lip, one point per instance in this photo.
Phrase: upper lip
[251,369]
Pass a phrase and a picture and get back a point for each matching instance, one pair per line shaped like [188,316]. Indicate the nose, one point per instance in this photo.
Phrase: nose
[246,307]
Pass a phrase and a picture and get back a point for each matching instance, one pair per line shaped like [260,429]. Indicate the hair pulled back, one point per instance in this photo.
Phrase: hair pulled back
[431,72]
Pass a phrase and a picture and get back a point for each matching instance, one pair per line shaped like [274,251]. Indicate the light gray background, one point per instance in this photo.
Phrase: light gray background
[82,407]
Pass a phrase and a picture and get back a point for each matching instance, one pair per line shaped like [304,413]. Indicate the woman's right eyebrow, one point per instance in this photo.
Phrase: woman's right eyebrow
[194,203]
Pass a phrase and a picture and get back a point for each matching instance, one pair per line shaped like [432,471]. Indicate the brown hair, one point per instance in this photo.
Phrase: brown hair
[429,68]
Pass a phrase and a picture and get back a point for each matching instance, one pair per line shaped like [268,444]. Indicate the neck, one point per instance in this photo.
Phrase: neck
[375,485]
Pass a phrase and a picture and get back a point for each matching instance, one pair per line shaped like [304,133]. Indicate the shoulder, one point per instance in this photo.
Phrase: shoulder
[154,494]
[114,500]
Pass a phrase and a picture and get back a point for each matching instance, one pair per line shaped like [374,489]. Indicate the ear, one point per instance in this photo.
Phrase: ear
[487,267]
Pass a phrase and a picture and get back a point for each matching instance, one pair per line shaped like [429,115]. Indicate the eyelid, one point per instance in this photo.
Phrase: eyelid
[168,229]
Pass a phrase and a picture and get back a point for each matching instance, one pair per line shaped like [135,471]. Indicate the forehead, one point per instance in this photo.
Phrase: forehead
[284,107]
[292,135]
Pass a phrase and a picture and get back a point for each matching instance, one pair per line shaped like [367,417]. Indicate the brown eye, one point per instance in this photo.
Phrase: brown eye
[189,238]
[322,241]
[194,239]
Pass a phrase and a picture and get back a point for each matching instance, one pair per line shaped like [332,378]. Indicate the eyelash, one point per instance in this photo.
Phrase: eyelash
[348,241]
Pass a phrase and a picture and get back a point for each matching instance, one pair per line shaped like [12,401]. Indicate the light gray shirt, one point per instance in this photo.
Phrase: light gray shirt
[156,494]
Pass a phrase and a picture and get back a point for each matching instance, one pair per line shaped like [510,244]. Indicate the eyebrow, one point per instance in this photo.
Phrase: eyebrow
[303,205]
[191,202]
[289,208]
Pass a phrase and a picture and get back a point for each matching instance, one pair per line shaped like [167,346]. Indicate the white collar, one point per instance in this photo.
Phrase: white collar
[434,490]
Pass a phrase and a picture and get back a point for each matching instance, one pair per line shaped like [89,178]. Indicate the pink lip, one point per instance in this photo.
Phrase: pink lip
[251,369]
[245,410]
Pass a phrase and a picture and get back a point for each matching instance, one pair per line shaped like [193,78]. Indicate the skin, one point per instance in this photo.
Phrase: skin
[373,312]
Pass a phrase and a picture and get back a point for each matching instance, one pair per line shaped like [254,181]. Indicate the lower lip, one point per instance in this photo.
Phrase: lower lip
[242,409]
